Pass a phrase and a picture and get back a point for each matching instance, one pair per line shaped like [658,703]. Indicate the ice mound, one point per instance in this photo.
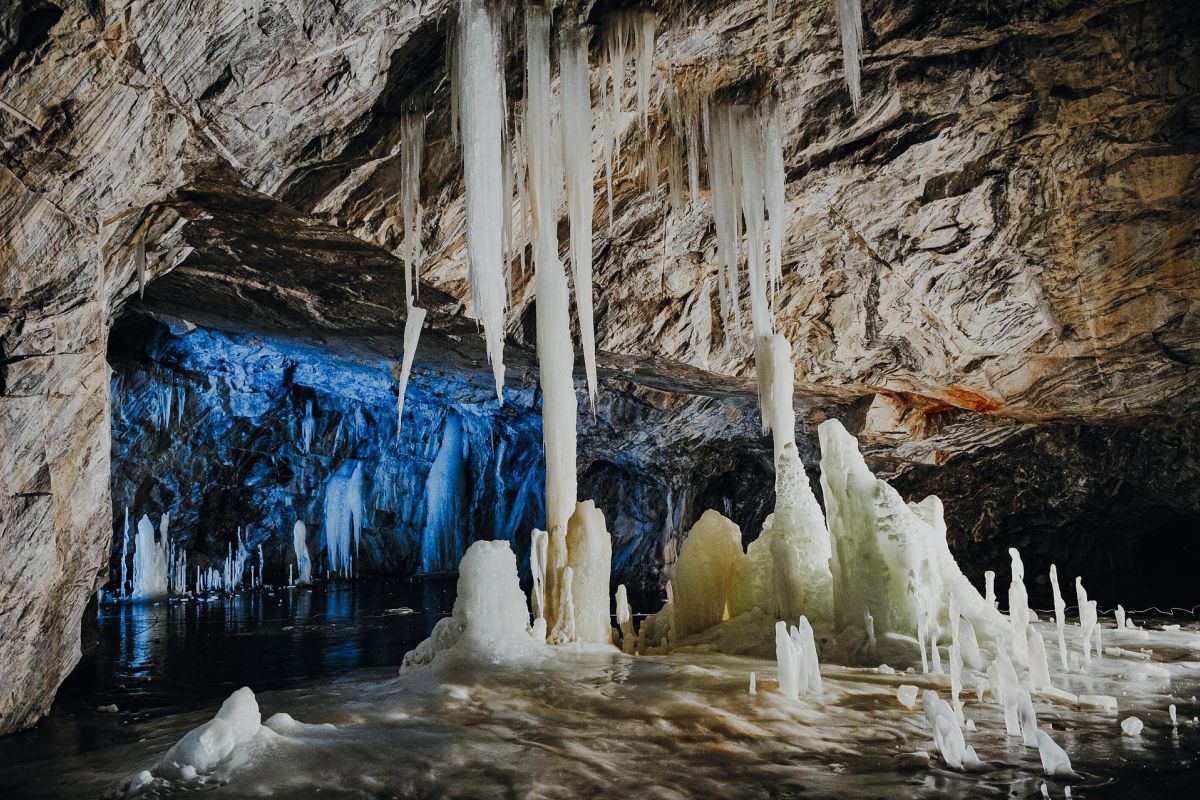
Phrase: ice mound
[206,747]
[490,618]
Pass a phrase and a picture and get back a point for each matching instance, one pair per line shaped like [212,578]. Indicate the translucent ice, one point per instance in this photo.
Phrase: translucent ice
[1055,762]
[303,561]
[1131,726]
[345,510]
[589,557]
[705,571]
[149,563]
[477,80]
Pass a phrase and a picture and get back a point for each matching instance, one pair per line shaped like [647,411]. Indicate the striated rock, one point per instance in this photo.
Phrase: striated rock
[1004,238]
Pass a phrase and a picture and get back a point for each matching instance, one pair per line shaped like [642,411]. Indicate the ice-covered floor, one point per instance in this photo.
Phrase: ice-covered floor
[589,722]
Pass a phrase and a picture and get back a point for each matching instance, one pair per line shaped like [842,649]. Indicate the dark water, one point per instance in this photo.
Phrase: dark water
[160,659]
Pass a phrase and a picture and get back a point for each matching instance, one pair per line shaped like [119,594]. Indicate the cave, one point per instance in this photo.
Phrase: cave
[675,398]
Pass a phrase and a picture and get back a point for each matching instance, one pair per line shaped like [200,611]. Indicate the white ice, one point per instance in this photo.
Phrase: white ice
[300,545]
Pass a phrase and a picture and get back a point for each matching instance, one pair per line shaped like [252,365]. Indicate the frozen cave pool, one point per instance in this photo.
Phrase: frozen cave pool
[588,721]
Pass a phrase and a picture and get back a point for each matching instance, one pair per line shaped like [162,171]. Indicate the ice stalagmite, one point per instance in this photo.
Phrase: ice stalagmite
[796,654]
[577,158]
[555,353]
[477,79]
[490,620]
[149,563]
[786,570]
[705,574]
[1018,609]
[303,561]
[1060,618]
[848,14]
[589,558]
[625,620]
[1055,761]
[888,560]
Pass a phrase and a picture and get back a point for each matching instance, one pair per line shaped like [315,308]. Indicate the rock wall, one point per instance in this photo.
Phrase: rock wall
[1004,235]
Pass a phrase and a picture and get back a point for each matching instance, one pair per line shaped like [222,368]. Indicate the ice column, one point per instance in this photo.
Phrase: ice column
[589,560]
[555,352]
[704,575]
[1060,618]
[477,78]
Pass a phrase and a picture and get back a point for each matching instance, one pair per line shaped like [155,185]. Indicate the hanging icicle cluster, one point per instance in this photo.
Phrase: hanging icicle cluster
[624,32]
[848,14]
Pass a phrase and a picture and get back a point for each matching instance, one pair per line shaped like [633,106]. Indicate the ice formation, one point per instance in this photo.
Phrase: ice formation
[947,734]
[413,322]
[412,142]
[345,510]
[796,655]
[1055,761]
[554,349]
[308,426]
[848,14]
[477,80]
[1131,726]
[626,30]
[303,561]
[577,160]
[149,562]
[888,560]
[589,558]
[441,541]
[490,619]
[205,748]
[1060,618]
[706,573]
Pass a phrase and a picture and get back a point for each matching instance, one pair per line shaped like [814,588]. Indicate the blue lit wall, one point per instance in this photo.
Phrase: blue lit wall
[209,426]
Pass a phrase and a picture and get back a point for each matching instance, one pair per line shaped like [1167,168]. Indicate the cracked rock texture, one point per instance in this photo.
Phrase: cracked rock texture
[995,262]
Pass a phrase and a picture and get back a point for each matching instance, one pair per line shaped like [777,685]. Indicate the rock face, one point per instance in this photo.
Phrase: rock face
[1003,238]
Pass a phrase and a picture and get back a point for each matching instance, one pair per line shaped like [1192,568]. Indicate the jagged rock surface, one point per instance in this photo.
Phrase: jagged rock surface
[1004,236]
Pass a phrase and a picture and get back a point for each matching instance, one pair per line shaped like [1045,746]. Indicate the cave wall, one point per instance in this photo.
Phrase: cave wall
[1005,235]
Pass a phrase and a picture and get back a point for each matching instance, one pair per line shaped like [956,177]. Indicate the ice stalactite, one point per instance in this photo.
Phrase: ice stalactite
[303,560]
[478,94]
[888,560]
[413,322]
[626,30]
[441,540]
[412,143]
[412,133]
[308,426]
[554,349]
[577,158]
[124,557]
[848,14]
[149,562]
[345,510]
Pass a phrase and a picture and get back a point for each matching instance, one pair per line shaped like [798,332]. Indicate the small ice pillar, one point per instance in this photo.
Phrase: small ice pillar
[300,544]
[1055,761]
[1060,618]
[589,558]
[625,619]
[149,563]
[796,655]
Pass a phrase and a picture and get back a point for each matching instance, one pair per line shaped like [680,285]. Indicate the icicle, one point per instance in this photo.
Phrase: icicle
[577,156]
[139,264]
[479,91]
[775,194]
[412,140]
[308,426]
[412,334]
[848,14]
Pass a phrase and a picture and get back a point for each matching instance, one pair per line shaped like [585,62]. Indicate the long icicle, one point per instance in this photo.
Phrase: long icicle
[481,116]
[577,156]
